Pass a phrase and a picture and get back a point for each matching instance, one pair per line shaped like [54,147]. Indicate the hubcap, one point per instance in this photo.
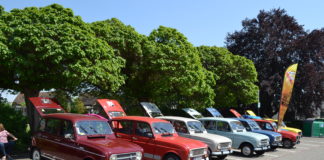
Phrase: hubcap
[246,150]
[287,143]
[36,155]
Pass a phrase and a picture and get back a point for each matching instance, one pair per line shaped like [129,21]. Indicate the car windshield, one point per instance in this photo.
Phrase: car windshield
[116,114]
[196,126]
[52,110]
[93,128]
[237,125]
[163,128]
[254,125]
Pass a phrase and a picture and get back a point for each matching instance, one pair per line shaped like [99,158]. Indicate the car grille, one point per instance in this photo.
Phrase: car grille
[264,142]
[198,152]
[278,138]
[126,156]
[224,145]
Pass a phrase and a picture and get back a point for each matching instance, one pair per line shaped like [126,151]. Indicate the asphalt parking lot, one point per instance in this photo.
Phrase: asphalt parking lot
[308,149]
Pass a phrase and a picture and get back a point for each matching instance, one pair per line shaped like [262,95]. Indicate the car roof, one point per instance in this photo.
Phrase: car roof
[177,118]
[72,116]
[140,118]
[218,119]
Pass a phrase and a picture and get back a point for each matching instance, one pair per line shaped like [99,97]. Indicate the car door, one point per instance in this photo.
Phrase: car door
[69,149]
[143,136]
[51,146]
[123,129]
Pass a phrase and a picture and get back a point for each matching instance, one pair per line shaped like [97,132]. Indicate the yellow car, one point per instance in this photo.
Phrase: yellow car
[295,130]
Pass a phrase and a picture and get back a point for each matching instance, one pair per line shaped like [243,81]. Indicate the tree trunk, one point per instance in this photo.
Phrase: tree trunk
[30,109]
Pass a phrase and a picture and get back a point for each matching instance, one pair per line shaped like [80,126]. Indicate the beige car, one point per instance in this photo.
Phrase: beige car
[218,146]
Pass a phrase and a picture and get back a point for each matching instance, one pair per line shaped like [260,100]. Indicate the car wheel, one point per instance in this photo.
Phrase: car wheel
[171,157]
[259,152]
[247,150]
[222,157]
[287,143]
[274,147]
[36,155]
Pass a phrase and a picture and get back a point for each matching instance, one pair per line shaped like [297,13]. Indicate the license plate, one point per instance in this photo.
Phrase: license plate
[264,148]
[197,158]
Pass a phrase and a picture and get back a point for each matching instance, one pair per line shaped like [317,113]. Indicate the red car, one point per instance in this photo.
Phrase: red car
[158,139]
[289,139]
[80,137]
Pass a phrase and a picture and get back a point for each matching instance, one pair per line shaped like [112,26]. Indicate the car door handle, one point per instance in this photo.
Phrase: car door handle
[118,135]
[134,138]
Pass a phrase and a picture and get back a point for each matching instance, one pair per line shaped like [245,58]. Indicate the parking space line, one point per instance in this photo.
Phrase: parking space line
[271,155]
[315,145]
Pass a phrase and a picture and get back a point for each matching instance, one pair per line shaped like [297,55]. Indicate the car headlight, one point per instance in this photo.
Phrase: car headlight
[138,155]
[191,153]
[113,157]
[218,147]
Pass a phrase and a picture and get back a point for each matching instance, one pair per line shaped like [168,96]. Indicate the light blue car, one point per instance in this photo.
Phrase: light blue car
[247,142]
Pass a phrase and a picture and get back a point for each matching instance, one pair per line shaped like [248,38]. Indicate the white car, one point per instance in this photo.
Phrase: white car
[218,146]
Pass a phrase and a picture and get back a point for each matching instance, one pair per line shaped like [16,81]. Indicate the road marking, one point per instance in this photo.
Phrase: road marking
[289,151]
[315,145]
[271,155]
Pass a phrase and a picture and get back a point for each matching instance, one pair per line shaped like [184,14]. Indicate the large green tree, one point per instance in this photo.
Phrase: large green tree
[49,47]
[273,41]
[236,77]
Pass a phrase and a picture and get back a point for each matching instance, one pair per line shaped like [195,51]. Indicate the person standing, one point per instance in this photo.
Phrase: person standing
[4,143]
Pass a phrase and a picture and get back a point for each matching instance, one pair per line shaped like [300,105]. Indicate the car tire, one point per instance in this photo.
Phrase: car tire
[247,150]
[221,157]
[287,143]
[36,155]
[259,152]
[274,147]
[171,157]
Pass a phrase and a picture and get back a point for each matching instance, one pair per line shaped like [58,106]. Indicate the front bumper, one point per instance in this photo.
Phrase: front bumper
[276,143]
[262,148]
[223,152]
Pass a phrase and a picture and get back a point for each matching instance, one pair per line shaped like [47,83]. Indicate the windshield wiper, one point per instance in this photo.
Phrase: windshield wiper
[84,129]
[165,132]
[93,129]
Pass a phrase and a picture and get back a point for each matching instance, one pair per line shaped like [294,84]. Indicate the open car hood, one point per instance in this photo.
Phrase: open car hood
[109,106]
[193,113]
[45,106]
[238,115]
[151,109]
[214,112]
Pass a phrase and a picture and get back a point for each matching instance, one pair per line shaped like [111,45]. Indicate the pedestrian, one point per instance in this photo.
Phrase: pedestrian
[4,143]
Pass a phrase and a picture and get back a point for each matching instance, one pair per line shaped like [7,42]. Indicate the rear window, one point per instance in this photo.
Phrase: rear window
[52,110]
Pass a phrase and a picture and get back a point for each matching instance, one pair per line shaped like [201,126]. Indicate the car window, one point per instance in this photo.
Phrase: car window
[180,127]
[268,126]
[67,130]
[93,128]
[125,127]
[53,126]
[196,126]
[143,129]
[223,126]
[211,125]
[246,125]
[237,126]
[42,125]
[163,128]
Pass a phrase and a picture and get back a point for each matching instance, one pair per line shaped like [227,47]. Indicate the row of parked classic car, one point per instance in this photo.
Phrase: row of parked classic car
[110,134]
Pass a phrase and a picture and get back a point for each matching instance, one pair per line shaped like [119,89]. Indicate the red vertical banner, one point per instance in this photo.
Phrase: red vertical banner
[288,85]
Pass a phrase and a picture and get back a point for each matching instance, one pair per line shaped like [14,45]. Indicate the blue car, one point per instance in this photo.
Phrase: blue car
[252,126]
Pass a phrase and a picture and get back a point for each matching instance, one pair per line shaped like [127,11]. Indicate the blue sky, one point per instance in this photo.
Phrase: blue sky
[204,22]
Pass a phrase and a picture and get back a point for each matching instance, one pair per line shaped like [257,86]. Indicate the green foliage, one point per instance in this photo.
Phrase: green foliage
[78,106]
[235,77]
[50,47]
[16,124]
[174,73]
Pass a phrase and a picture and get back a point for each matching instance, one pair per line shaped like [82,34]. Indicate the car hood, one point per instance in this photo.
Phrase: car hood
[181,141]
[268,133]
[285,133]
[253,135]
[113,146]
[207,137]
[295,130]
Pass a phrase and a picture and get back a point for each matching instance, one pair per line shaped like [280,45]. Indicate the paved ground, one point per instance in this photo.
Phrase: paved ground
[308,149]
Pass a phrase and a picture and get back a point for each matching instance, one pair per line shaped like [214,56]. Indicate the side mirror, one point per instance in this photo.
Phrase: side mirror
[68,136]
